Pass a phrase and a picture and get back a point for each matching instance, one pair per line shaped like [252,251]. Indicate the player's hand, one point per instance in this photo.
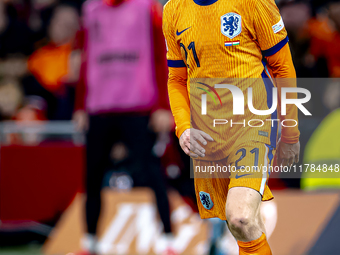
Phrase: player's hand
[191,140]
[287,153]
[81,121]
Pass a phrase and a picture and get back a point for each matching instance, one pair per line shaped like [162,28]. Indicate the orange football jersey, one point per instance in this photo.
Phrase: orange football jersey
[225,39]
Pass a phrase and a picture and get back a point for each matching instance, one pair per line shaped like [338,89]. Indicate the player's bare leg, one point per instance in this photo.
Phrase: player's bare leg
[245,221]
[243,213]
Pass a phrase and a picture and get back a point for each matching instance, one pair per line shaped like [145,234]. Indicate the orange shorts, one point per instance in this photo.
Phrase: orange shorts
[213,179]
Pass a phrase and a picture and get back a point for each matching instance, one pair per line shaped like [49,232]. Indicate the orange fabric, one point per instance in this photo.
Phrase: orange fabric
[49,65]
[320,28]
[281,63]
[325,43]
[282,67]
[217,184]
[200,46]
[259,246]
[205,37]
[179,98]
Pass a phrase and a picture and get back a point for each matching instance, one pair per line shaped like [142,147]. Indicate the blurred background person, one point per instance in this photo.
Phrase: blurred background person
[46,75]
[123,89]
[11,99]
[16,44]
[324,30]
[56,65]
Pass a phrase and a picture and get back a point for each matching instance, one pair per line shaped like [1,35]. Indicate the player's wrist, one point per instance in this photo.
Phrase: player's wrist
[290,140]
[180,129]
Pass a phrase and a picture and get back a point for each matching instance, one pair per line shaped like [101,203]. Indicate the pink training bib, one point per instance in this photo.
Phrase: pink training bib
[120,73]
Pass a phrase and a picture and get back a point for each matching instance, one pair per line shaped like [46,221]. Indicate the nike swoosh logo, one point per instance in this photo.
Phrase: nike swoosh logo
[239,176]
[179,33]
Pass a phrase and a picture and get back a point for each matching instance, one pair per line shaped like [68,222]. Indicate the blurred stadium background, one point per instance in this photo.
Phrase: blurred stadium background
[43,154]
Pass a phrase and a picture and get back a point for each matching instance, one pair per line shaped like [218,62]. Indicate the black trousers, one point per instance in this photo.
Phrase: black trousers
[145,169]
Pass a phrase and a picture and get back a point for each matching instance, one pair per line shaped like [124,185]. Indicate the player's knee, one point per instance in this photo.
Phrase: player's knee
[238,224]
[241,225]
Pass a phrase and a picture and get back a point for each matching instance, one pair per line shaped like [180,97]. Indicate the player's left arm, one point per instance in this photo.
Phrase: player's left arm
[272,38]
[283,71]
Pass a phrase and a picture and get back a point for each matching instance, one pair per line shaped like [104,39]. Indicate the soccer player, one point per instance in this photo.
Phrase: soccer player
[229,39]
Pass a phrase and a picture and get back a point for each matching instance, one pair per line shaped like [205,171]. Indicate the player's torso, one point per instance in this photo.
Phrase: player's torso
[217,40]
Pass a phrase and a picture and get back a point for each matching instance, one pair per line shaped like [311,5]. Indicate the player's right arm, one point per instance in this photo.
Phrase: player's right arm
[177,81]
[178,92]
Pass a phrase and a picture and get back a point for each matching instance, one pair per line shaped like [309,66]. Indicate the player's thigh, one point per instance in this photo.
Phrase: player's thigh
[250,158]
[250,167]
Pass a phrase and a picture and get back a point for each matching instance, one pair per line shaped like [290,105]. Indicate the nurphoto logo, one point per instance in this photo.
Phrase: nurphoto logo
[238,100]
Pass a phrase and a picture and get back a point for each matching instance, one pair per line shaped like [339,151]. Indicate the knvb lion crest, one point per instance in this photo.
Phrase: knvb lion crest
[206,200]
[231,25]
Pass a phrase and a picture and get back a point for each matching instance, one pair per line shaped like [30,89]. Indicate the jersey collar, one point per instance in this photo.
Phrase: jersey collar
[205,2]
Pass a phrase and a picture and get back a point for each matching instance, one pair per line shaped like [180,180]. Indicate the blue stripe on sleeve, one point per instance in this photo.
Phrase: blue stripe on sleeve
[176,63]
[275,48]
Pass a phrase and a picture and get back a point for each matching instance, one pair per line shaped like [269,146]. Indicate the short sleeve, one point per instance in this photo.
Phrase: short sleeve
[174,55]
[269,28]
